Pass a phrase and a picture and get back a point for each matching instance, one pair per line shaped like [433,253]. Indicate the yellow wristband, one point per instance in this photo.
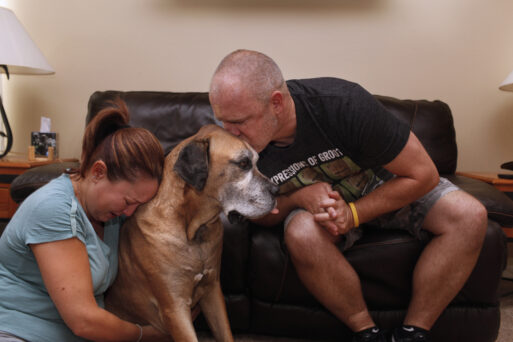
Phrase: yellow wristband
[356,221]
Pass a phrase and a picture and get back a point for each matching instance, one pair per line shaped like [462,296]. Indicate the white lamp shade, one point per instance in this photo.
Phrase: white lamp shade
[507,84]
[17,50]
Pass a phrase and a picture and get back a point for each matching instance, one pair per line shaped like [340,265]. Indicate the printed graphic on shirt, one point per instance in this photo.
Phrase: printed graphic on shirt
[330,166]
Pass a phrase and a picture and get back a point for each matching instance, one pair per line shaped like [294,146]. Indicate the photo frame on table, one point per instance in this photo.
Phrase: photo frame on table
[41,141]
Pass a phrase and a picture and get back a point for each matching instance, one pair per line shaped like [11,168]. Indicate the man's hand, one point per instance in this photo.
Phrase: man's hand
[312,197]
[337,217]
[327,207]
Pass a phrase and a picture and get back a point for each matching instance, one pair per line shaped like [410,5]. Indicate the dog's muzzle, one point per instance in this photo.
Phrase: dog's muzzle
[235,217]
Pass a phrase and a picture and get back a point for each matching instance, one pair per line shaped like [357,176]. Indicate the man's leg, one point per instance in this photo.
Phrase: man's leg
[458,222]
[325,272]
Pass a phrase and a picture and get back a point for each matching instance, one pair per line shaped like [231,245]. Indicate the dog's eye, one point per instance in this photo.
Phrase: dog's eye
[244,164]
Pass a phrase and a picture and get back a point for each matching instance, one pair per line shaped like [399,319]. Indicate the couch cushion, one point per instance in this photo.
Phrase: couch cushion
[385,261]
[172,117]
[498,204]
[34,178]
[432,123]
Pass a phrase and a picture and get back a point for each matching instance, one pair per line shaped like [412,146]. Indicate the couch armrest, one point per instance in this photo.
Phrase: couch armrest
[31,180]
[499,206]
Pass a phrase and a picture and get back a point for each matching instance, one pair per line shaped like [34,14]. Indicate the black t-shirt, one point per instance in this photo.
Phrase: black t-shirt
[343,136]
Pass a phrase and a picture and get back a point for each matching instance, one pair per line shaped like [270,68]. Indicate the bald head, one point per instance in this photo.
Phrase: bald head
[246,72]
[249,96]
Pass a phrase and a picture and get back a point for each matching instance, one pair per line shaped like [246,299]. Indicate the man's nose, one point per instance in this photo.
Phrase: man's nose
[231,128]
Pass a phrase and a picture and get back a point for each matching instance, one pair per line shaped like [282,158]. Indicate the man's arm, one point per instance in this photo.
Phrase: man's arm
[416,175]
[310,198]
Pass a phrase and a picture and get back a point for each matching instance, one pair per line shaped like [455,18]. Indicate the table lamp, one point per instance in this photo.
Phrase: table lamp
[507,85]
[18,55]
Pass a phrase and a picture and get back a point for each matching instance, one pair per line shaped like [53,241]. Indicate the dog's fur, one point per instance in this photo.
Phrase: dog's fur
[170,249]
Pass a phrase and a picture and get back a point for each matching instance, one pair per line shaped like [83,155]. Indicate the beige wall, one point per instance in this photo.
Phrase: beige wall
[458,51]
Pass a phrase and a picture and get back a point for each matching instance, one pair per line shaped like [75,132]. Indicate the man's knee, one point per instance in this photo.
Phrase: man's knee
[303,233]
[298,230]
[470,214]
[477,220]
[458,212]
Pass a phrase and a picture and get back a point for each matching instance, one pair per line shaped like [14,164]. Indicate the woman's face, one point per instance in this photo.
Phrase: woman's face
[103,199]
[116,198]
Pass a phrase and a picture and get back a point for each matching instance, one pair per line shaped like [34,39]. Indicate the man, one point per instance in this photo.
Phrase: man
[342,160]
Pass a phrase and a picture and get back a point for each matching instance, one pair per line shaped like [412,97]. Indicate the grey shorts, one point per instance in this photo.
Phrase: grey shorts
[6,337]
[410,217]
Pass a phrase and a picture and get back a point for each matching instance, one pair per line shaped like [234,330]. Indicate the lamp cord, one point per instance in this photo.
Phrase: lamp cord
[8,132]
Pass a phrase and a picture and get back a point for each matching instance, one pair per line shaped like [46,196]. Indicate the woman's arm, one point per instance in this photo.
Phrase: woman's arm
[65,269]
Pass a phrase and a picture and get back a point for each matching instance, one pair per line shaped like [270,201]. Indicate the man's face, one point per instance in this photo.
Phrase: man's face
[248,119]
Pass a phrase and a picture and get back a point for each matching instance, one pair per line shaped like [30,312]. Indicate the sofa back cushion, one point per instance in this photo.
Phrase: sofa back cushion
[432,123]
[173,117]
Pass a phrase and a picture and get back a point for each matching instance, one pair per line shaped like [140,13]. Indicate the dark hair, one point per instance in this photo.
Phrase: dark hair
[127,151]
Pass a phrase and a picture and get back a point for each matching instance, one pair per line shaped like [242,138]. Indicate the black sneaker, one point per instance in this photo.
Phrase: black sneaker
[410,334]
[373,334]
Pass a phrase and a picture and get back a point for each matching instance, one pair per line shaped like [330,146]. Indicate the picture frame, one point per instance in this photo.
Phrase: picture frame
[41,141]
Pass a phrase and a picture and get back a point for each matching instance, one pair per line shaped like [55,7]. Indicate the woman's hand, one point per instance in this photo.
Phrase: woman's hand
[66,272]
[151,334]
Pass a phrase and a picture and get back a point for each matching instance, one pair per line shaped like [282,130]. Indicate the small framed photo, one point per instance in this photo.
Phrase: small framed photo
[41,141]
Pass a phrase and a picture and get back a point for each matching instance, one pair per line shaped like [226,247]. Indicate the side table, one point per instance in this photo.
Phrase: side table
[11,166]
[501,184]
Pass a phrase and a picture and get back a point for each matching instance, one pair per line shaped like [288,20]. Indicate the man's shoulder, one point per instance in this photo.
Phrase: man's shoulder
[321,86]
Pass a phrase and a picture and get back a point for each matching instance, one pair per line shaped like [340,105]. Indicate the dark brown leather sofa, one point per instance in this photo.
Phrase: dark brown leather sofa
[262,290]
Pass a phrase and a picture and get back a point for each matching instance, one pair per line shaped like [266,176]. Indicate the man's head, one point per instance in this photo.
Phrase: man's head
[249,95]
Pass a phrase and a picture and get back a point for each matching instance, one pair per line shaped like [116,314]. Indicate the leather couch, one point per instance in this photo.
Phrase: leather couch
[263,292]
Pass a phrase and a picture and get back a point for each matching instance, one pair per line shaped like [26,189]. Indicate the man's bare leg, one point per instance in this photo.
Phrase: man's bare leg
[459,224]
[325,272]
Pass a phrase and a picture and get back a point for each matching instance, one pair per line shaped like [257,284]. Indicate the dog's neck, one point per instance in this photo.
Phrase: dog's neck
[200,211]
[192,208]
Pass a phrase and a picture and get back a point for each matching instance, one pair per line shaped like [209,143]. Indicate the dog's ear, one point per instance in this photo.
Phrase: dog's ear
[192,164]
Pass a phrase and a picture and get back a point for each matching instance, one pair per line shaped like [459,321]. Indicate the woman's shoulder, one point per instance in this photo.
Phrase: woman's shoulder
[57,192]
[49,213]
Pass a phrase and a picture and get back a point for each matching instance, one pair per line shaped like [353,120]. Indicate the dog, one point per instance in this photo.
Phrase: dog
[170,249]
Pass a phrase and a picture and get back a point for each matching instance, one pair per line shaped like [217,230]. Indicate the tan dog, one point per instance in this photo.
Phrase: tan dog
[170,249]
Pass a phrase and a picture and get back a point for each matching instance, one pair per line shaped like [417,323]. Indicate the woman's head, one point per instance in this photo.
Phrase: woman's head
[121,166]
[128,152]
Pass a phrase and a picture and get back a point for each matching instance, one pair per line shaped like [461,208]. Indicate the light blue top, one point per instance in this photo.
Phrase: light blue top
[51,213]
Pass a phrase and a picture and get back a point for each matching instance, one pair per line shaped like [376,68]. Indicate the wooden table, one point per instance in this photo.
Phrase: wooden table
[501,184]
[11,166]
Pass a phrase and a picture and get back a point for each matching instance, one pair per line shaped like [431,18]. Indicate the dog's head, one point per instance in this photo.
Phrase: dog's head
[219,164]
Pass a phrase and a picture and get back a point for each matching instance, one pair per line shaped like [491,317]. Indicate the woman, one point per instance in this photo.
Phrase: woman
[58,254]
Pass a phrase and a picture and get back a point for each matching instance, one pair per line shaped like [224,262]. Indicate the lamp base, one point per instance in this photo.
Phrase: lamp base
[7,134]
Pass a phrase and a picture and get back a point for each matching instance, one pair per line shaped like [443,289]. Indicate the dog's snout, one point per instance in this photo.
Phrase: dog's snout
[273,189]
